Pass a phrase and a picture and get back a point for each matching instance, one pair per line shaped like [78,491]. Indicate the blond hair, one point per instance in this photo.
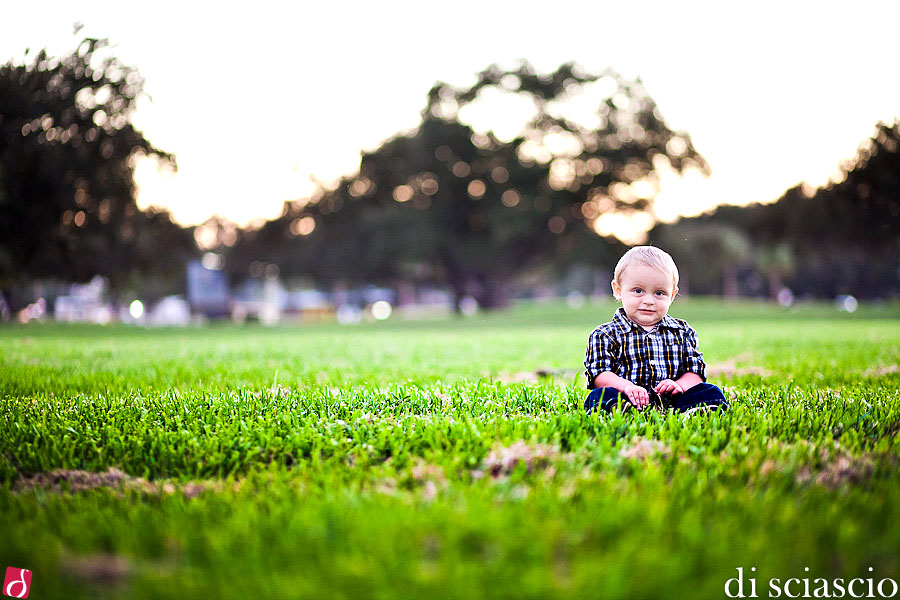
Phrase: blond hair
[650,256]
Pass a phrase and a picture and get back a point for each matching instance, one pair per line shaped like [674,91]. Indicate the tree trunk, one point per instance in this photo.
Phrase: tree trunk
[730,282]
[494,292]
[458,285]
[6,304]
[775,284]
[457,277]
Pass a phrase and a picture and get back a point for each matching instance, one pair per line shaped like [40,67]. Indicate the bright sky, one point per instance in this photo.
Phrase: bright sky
[254,102]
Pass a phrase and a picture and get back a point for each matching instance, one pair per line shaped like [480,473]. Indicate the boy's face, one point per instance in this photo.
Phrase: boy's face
[646,294]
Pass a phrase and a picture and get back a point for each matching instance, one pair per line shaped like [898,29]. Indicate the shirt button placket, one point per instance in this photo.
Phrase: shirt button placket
[649,353]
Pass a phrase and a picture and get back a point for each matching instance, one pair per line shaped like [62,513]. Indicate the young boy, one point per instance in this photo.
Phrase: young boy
[643,355]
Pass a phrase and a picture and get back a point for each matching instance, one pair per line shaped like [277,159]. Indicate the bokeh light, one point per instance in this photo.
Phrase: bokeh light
[846,303]
[500,174]
[556,224]
[476,189]
[381,310]
[136,309]
[468,306]
[443,153]
[461,168]
[212,261]
[429,186]
[510,198]
[303,226]
[403,193]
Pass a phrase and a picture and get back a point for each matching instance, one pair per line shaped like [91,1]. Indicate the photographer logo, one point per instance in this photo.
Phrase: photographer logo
[17,582]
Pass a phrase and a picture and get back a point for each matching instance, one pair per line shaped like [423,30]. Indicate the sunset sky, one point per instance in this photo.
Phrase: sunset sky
[257,102]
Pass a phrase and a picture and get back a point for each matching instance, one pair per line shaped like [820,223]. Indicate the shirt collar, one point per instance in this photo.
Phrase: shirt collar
[626,324]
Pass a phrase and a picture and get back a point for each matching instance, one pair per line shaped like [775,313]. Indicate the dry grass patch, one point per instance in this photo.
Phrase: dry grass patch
[77,480]
[881,371]
[642,449]
[502,461]
[103,569]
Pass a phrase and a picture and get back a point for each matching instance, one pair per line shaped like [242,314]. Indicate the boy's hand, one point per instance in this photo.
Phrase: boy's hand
[667,386]
[638,396]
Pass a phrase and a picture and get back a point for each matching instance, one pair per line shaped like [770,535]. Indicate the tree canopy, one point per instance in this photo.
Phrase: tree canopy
[472,207]
[67,151]
[841,238]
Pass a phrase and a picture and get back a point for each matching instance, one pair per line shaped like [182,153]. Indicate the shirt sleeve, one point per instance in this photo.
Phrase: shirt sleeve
[601,355]
[691,357]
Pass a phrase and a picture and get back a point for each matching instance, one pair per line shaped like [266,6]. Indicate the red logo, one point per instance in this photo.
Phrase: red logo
[17,582]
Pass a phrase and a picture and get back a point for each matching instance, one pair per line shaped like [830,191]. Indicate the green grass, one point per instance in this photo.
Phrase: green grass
[367,461]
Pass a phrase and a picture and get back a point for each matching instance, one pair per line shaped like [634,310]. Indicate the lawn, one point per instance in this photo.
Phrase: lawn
[447,458]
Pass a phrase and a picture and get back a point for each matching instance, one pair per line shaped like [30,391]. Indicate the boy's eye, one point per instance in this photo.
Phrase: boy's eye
[660,293]
[637,290]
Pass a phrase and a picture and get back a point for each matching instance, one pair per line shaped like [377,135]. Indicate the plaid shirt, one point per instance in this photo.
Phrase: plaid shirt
[643,357]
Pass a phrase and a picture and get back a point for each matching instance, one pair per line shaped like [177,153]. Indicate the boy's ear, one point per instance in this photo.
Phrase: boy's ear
[674,292]
[616,289]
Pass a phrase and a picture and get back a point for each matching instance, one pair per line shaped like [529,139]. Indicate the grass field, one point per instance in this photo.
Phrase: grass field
[426,459]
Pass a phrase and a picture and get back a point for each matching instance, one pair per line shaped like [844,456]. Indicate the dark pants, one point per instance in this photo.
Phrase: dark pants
[702,394]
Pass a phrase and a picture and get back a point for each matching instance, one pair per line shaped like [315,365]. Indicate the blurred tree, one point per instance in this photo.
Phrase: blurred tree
[775,262]
[709,255]
[838,239]
[462,205]
[67,151]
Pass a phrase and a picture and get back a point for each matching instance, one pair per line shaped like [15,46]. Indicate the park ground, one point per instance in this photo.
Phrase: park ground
[448,458]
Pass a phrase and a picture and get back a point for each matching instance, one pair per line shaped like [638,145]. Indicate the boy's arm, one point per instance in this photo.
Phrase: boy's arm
[600,356]
[601,360]
[678,386]
[637,395]
[610,379]
[688,380]
[692,360]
